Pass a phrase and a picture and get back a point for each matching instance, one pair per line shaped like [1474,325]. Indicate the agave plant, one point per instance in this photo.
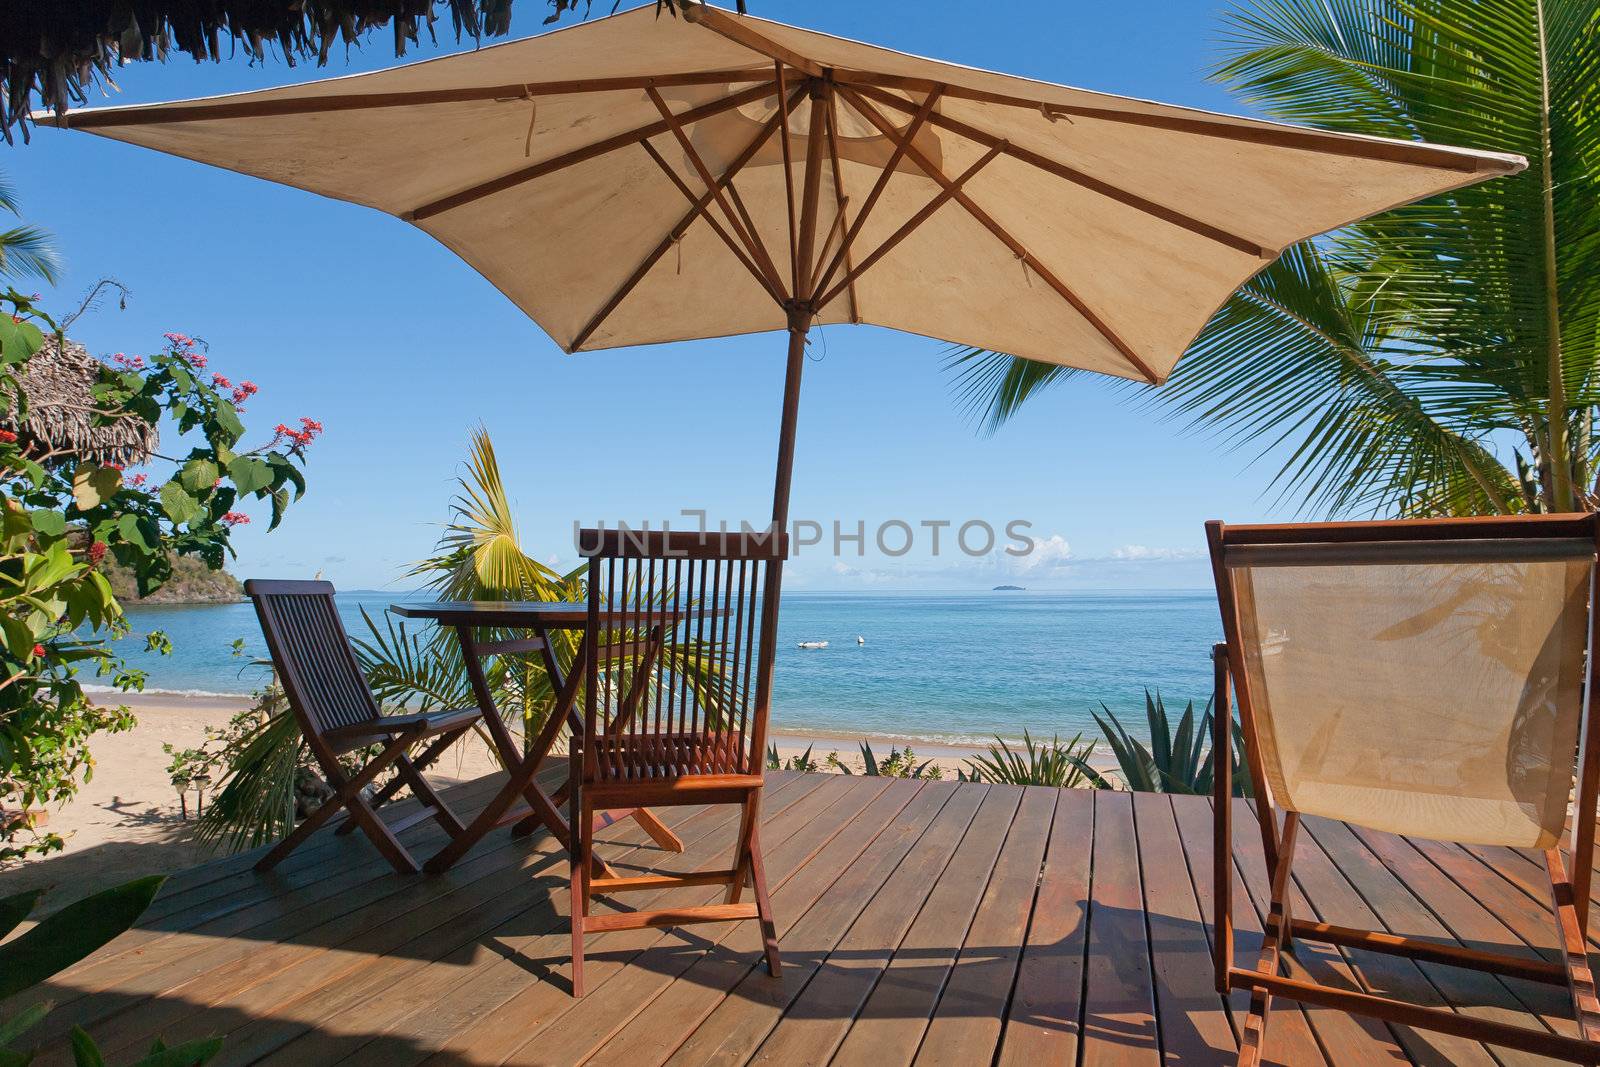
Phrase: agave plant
[899,763]
[802,762]
[1064,764]
[1176,760]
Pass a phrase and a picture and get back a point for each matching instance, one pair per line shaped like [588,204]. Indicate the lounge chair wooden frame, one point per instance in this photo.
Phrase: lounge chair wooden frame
[642,744]
[1569,891]
[337,714]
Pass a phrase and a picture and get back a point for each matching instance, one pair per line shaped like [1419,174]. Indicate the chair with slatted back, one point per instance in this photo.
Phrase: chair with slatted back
[337,715]
[675,701]
[1430,678]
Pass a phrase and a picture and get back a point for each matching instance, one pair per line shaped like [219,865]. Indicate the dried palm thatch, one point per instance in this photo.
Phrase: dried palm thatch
[60,424]
[60,50]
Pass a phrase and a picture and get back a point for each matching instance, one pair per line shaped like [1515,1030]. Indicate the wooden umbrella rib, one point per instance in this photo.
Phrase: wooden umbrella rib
[743,32]
[733,245]
[788,170]
[1307,140]
[84,120]
[750,237]
[951,189]
[840,220]
[698,206]
[1078,177]
[872,115]
[884,174]
[587,152]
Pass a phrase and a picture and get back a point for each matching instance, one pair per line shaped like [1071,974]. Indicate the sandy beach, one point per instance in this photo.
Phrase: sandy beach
[126,820]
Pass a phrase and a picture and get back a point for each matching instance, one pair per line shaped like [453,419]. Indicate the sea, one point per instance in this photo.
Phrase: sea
[956,668]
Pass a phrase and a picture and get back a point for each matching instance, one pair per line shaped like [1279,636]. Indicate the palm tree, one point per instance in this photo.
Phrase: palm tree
[25,251]
[1442,358]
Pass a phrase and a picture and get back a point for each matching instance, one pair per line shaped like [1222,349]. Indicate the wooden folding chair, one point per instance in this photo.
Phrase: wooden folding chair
[675,699]
[338,715]
[1425,677]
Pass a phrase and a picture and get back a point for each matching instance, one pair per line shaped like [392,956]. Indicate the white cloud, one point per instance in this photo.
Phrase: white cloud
[1144,553]
[1047,555]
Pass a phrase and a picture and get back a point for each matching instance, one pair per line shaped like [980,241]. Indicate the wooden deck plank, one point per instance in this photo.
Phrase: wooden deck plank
[966,1025]
[752,1007]
[178,957]
[1119,1026]
[1042,1024]
[1470,921]
[889,1028]
[1191,1015]
[723,953]
[546,1010]
[428,1018]
[1400,912]
[272,994]
[250,902]
[932,921]
[815,1024]
[1292,1043]
[1344,1039]
[1334,900]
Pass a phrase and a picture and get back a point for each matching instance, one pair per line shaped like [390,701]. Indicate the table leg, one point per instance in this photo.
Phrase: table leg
[520,770]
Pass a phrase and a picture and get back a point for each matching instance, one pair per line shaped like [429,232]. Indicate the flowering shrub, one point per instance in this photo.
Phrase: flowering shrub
[61,515]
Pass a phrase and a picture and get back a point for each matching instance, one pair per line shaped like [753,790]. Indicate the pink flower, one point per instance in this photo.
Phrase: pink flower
[244,391]
[97,552]
[139,479]
[115,466]
[7,437]
[220,382]
[235,518]
[38,650]
[128,362]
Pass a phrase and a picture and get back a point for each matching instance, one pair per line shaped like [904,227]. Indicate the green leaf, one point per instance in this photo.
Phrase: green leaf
[198,475]
[48,522]
[13,910]
[250,474]
[62,939]
[93,486]
[12,1029]
[188,1054]
[84,1051]
[18,340]
[179,505]
[280,502]
[289,472]
[132,528]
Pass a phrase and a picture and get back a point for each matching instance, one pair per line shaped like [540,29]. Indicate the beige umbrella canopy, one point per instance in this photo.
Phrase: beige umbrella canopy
[625,181]
[60,425]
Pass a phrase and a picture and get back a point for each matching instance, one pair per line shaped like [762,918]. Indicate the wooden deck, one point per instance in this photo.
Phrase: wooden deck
[921,922]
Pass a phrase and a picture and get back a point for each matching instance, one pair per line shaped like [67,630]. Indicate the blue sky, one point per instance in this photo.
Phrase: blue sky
[358,320]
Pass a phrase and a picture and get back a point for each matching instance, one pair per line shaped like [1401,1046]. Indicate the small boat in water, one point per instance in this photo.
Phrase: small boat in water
[813,644]
[860,640]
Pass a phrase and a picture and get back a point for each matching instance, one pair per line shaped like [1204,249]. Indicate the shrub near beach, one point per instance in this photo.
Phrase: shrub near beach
[67,509]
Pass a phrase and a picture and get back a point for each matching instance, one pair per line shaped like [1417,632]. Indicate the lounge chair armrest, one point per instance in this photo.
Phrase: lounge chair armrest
[420,724]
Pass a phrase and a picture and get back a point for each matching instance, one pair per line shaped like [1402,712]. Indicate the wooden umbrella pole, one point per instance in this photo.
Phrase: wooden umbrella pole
[802,308]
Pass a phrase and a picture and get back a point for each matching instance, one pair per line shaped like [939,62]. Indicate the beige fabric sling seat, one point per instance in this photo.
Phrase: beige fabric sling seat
[1424,678]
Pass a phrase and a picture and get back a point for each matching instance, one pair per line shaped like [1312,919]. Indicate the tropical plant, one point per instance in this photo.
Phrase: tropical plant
[802,762]
[1441,358]
[1176,760]
[25,251]
[63,512]
[899,763]
[57,942]
[1064,764]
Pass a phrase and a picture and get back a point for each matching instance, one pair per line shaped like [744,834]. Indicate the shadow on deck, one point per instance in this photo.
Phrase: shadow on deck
[920,921]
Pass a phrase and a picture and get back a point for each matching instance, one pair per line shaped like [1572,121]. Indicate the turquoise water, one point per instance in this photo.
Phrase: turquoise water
[936,667]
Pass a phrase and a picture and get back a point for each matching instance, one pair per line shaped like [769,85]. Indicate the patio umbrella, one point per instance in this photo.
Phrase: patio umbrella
[637,179]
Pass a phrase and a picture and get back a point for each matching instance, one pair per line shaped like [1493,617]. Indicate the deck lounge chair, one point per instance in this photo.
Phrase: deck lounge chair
[1423,677]
[338,715]
[675,701]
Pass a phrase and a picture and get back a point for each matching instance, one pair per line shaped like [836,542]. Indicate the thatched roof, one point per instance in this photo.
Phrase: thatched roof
[60,422]
[59,50]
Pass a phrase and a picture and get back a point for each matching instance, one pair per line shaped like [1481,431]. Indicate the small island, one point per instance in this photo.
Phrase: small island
[1009,589]
[192,582]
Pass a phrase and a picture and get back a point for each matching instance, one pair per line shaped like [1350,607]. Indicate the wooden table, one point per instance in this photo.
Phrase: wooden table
[466,617]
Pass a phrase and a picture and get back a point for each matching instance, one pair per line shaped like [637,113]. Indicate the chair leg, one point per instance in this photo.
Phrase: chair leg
[582,828]
[657,830]
[1580,980]
[741,854]
[429,797]
[348,796]
[1275,939]
[769,927]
